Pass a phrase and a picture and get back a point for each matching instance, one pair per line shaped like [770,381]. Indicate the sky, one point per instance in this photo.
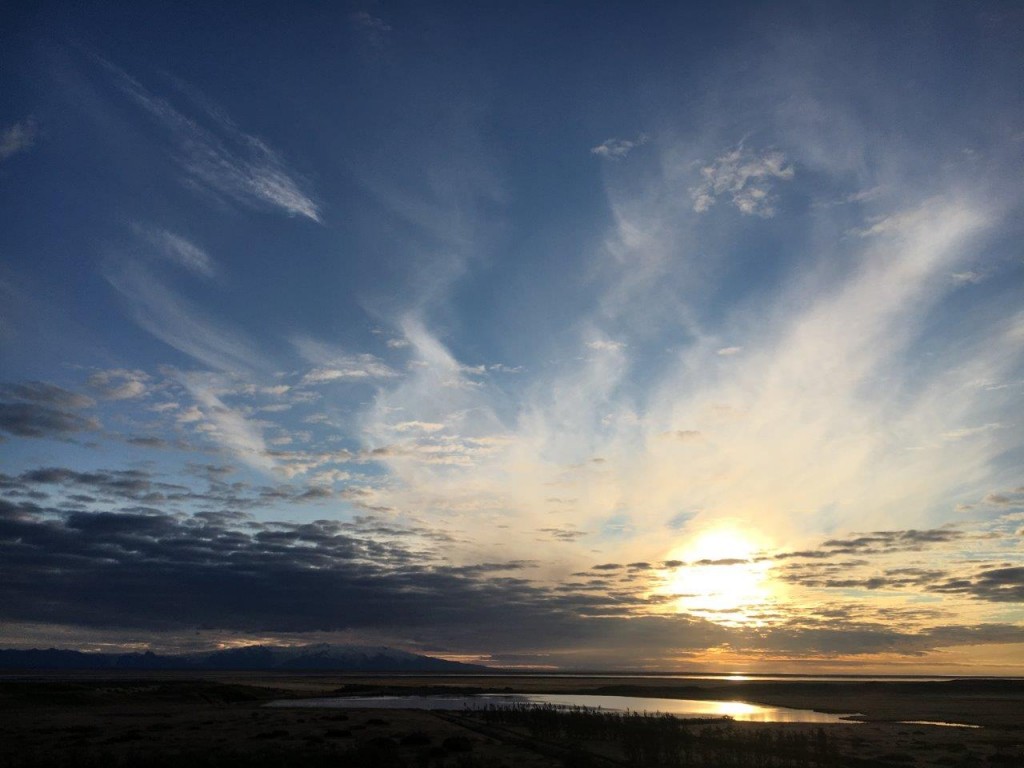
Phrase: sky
[679,336]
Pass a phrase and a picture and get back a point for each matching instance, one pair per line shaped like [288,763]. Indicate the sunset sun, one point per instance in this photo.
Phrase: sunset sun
[721,578]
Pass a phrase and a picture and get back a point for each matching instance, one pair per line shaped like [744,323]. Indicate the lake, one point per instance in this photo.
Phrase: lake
[737,710]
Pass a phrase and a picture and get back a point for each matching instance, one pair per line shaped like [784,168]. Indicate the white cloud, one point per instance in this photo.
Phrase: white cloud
[227,426]
[899,222]
[967,277]
[966,432]
[224,159]
[333,364]
[606,345]
[17,138]
[189,416]
[746,178]
[418,426]
[618,148]
[119,384]
[177,322]
[807,429]
[178,250]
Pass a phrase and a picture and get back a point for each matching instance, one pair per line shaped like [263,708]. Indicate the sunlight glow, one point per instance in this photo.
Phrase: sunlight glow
[734,708]
[721,579]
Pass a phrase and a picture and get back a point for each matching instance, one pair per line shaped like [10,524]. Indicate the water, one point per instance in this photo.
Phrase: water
[737,710]
[727,677]
[943,723]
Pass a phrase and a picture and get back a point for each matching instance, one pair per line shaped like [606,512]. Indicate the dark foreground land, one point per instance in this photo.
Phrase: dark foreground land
[169,719]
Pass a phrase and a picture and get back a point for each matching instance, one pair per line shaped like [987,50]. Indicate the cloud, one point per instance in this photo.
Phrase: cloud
[606,345]
[179,251]
[228,572]
[119,383]
[686,435]
[966,432]
[418,426]
[46,394]
[218,572]
[17,138]
[334,364]
[34,420]
[360,367]
[222,158]
[967,277]
[43,410]
[880,542]
[227,426]
[87,558]
[1012,498]
[746,178]
[728,351]
[373,29]
[138,489]
[182,325]
[1002,585]
[616,149]
[104,485]
[564,533]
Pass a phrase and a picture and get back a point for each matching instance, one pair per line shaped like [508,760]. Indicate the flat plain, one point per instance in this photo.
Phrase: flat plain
[221,719]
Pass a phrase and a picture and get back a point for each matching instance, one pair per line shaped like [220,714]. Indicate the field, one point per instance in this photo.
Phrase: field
[167,719]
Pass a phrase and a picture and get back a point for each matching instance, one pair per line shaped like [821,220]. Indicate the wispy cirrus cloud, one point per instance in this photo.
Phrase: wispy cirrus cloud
[832,351]
[181,324]
[237,434]
[222,158]
[177,250]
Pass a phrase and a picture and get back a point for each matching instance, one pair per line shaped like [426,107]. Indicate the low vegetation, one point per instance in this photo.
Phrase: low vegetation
[640,739]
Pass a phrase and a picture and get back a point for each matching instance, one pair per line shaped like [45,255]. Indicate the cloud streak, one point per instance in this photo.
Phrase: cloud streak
[222,158]
[179,323]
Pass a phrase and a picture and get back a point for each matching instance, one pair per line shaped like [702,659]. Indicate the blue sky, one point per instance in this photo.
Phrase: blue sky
[680,336]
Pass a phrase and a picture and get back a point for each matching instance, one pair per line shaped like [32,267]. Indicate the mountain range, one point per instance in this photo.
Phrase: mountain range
[335,658]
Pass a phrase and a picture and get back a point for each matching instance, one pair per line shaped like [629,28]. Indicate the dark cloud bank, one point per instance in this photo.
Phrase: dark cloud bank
[112,550]
[39,409]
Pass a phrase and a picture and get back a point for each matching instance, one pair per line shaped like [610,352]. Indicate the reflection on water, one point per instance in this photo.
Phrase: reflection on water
[939,722]
[745,677]
[737,710]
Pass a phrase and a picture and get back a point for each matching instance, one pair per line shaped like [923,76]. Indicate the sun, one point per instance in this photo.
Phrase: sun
[721,577]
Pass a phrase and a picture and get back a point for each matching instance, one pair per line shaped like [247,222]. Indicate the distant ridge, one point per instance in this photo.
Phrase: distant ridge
[334,658]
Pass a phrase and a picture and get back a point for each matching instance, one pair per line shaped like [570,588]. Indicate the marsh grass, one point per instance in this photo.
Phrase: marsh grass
[650,739]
